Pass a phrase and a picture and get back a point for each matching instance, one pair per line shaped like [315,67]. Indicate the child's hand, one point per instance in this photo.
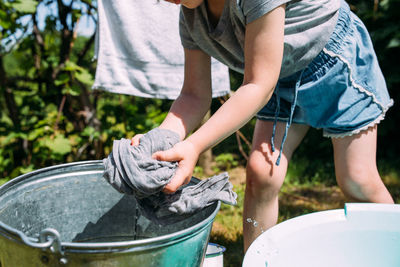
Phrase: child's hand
[185,153]
[135,139]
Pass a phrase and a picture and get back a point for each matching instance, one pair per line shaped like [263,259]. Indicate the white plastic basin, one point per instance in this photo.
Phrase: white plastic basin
[360,235]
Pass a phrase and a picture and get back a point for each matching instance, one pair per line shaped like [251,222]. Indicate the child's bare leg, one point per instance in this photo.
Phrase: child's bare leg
[264,179]
[356,170]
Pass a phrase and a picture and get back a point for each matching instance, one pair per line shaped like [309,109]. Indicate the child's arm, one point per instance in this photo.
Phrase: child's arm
[194,101]
[263,57]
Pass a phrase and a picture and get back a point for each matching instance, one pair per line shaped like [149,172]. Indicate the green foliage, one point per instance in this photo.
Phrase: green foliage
[198,172]
[23,6]
[50,115]
[11,13]
[224,162]
[313,161]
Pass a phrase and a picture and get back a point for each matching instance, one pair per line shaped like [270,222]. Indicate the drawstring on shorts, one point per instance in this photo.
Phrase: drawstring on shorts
[288,123]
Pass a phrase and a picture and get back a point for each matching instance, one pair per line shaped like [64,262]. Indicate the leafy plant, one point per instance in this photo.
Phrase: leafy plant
[225,161]
[50,115]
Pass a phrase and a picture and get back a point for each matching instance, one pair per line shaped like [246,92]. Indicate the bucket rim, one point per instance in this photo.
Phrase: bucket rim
[141,244]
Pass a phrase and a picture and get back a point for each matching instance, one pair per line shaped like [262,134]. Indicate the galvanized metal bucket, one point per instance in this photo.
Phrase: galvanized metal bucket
[68,215]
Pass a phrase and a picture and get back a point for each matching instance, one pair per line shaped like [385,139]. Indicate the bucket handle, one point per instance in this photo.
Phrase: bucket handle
[49,238]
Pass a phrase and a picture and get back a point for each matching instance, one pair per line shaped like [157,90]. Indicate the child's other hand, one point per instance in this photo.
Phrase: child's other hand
[135,140]
[186,155]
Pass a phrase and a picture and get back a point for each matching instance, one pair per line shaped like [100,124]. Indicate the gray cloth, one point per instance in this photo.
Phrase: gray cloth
[164,208]
[308,27]
[132,170]
[139,52]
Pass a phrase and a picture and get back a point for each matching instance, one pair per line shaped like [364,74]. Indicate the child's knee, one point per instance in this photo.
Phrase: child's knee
[360,182]
[358,175]
[263,175]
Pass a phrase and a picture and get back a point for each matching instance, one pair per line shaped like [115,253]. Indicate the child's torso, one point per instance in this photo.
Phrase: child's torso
[308,26]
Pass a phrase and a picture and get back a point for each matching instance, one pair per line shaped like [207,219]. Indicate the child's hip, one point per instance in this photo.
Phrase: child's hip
[342,90]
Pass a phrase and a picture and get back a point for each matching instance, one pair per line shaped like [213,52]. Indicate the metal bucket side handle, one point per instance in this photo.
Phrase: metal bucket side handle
[49,239]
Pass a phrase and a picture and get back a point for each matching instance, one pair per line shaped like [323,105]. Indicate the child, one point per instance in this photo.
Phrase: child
[305,63]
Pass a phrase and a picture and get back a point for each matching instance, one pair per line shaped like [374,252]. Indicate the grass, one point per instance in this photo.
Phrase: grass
[296,198]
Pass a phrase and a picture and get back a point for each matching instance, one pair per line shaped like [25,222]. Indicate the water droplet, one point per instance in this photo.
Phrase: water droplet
[255,224]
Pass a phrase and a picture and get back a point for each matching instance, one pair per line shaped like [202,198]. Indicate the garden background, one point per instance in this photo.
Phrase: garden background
[50,115]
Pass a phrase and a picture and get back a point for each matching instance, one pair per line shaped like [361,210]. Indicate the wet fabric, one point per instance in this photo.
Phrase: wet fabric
[132,170]
[164,208]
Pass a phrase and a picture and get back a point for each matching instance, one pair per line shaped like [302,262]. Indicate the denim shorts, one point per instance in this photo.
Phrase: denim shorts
[342,91]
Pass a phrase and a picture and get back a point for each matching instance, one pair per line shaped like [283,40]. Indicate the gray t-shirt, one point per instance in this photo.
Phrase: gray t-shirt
[308,27]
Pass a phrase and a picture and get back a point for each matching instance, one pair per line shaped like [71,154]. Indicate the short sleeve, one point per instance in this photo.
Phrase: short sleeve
[186,39]
[254,9]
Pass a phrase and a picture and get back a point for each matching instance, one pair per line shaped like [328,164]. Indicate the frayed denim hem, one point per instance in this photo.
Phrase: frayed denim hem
[357,131]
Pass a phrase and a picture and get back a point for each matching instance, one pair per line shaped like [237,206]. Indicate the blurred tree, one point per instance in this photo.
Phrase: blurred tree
[43,79]
[49,115]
